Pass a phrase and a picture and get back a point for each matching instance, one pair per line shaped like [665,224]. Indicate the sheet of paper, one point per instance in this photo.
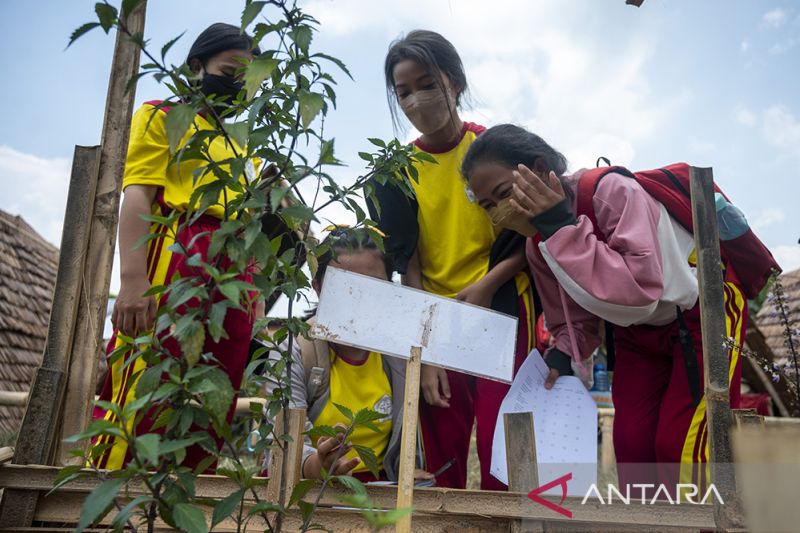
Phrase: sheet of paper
[388,318]
[565,424]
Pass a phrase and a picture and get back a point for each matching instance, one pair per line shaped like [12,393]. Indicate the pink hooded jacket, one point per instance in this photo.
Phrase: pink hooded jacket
[641,274]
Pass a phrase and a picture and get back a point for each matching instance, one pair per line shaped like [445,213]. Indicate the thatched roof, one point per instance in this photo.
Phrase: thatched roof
[28,266]
[770,323]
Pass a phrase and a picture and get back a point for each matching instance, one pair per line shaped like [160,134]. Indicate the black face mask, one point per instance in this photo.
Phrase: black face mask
[226,87]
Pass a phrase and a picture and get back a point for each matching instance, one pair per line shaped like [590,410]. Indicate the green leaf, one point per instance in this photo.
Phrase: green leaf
[174,445]
[238,132]
[300,490]
[391,516]
[310,106]
[98,502]
[148,381]
[125,513]
[302,36]
[326,156]
[177,124]
[147,446]
[298,211]
[313,263]
[367,456]
[352,484]
[377,142]
[345,411]
[81,31]
[250,12]
[106,14]
[65,475]
[306,510]
[166,47]
[225,507]
[218,402]
[192,345]
[189,518]
[322,431]
[336,61]
[216,318]
[366,417]
[129,5]
[265,507]
[257,71]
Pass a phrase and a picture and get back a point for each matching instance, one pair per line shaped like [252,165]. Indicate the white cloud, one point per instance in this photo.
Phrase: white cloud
[701,146]
[744,46]
[781,129]
[558,80]
[775,18]
[783,46]
[787,256]
[35,188]
[767,217]
[745,116]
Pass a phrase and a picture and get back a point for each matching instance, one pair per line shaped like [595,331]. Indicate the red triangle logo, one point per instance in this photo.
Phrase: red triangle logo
[562,481]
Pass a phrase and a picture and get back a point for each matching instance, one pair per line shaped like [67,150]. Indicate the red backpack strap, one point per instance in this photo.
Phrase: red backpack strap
[587,186]
[156,103]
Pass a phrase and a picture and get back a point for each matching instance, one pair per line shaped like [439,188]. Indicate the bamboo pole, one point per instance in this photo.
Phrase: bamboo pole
[408,441]
[13,398]
[88,336]
[41,415]
[715,355]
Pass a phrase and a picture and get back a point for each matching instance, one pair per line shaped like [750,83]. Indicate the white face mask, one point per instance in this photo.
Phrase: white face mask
[430,110]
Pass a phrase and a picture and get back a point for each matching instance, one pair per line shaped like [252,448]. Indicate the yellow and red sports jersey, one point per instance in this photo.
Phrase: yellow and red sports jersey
[360,385]
[455,233]
[149,160]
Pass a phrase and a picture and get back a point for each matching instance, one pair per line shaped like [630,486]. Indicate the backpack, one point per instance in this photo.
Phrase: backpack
[748,263]
[316,358]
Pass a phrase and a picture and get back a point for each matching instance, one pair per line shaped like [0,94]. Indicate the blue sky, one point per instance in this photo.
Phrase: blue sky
[713,83]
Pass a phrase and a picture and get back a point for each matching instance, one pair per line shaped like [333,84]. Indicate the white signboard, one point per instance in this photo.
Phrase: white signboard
[388,318]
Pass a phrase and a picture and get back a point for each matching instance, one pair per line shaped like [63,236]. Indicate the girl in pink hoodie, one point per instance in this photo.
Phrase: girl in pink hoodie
[641,278]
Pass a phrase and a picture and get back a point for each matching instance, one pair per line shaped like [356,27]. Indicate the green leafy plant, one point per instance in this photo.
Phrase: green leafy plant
[277,123]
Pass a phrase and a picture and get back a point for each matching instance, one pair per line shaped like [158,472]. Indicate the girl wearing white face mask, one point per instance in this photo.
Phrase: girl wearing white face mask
[442,242]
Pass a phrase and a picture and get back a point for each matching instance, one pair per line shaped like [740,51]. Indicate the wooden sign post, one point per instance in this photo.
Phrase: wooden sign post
[359,311]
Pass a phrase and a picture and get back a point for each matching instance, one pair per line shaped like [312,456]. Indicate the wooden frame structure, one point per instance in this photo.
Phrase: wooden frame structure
[69,364]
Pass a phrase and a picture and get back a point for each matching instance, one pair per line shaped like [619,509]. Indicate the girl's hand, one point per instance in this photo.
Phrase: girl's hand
[431,378]
[133,312]
[533,196]
[420,474]
[327,449]
[479,293]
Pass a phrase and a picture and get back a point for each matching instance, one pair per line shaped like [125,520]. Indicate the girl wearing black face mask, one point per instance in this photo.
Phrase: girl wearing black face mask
[154,184]
[442,242]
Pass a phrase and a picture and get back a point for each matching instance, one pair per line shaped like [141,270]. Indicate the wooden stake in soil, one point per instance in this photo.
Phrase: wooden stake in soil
[405,482]
[523,472]
[40,422]
[88,337]
[715,354]
[288,463]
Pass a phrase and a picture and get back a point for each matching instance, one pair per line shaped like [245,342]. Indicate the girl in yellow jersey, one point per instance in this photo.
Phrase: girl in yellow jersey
[153,184]
[324,374]
[442,242]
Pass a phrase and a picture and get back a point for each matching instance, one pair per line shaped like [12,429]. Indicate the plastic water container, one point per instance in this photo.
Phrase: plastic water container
[730,219]
[600,378]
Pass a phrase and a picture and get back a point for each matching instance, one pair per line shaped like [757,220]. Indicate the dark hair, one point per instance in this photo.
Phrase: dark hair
[511,145]
[217,38]
[433,52]
[348,240]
